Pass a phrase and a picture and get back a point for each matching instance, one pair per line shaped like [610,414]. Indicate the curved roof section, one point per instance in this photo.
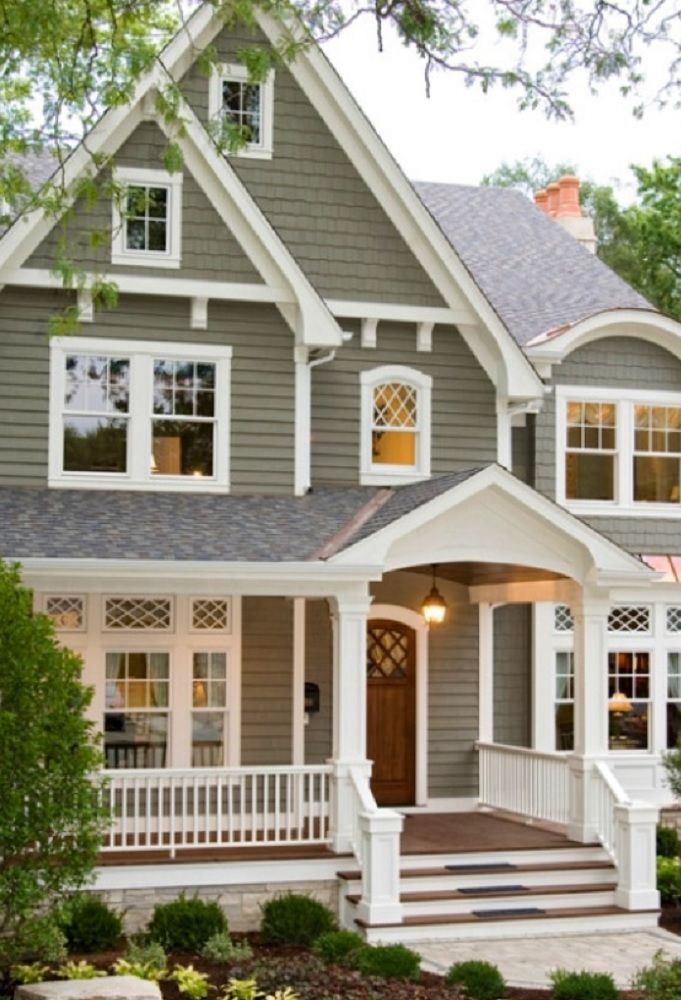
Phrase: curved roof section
[535,274]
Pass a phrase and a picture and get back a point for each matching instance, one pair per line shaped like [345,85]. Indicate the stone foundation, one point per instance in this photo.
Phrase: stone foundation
[241,903]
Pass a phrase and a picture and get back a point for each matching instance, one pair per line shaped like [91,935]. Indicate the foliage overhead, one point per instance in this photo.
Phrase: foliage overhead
[51,818]
[640,242]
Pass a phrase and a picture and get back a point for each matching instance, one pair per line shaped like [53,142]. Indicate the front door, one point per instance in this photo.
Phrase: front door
[391,711]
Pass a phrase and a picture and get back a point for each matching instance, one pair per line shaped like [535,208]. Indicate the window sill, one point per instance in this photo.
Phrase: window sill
[145,260]
[169,485]
[392,478]
[251,154]
[604,508]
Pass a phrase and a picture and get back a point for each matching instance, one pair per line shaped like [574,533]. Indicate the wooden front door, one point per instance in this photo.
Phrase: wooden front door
[391,711]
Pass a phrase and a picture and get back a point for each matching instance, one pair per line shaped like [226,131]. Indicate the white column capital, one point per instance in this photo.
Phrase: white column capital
[350,604]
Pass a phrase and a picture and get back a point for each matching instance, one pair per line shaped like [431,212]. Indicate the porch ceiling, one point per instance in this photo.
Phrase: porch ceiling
[480,574]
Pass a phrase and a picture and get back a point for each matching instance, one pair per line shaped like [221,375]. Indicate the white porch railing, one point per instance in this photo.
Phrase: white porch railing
[523,781]
[606,795]
[166,809]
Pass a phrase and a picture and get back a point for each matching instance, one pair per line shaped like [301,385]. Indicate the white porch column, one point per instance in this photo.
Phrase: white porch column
[590,614]
[349,620]
[635,829]
[486,673]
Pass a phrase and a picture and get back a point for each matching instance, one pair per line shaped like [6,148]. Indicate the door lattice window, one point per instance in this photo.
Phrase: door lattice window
[67,613]
[562,621]
[673,619]
[387,652]
[210,615]
[625,618]
[153,613]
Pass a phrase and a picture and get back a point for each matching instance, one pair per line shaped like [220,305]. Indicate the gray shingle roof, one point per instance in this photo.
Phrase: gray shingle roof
[536,276]
[108,524]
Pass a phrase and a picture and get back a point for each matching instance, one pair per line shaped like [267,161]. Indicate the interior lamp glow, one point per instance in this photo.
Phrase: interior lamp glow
[619,704]
[434,606]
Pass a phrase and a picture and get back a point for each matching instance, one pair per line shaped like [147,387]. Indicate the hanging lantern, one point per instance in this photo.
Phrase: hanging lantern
[434,606]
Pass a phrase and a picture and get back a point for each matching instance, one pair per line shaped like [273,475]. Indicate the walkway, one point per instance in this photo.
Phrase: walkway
[528,962]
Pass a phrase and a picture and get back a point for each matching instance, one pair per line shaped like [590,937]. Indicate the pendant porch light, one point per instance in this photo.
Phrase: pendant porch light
[434,606]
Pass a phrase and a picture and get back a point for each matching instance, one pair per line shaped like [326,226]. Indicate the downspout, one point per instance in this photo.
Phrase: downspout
[303,413]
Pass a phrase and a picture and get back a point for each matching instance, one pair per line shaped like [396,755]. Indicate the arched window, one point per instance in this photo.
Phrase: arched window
[395,444]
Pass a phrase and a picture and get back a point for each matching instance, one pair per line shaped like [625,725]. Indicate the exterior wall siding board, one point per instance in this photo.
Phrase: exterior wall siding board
[209,251]
[614,362]
[318,670]
[512,674]
[315,199]
[266,681]
[463,402]
[262,411]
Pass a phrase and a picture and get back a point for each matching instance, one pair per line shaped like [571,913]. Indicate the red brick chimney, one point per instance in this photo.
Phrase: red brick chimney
[560,201]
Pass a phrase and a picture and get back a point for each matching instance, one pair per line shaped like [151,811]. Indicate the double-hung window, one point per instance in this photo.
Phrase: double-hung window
[245,104]
[618,450]
[139,414]
[147,218]
[395,425]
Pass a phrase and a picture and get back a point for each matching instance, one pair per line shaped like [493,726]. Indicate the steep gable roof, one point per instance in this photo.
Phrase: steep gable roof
[535,274]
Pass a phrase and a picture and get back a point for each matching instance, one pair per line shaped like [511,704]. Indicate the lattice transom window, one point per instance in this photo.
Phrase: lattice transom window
[137,613]
[67,612]
[387,652]
[562,619]
[674,618]
[395,424]
[210,614]
[629,618]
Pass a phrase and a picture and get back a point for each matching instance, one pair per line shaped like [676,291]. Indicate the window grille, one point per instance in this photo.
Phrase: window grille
[563,621]
[210,615]
[629,618]
[136,613]
[674,619]
[67,613]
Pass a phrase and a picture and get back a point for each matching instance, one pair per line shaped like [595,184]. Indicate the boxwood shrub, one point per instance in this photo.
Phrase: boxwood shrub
[89,925]
[185,924]
[295,919]
[583,986]
[477,979]
[389,961]
[337,947]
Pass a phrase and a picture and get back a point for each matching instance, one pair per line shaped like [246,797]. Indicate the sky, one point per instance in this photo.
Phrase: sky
[459,134]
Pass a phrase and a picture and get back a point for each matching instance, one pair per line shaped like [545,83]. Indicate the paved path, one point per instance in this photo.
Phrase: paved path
[529,961]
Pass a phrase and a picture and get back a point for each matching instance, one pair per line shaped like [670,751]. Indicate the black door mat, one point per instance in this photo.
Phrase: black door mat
[481,868]
[526,911]
[495,889]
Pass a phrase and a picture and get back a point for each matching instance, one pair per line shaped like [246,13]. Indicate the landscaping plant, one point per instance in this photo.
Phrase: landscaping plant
[669,879]
[661,980]
[32,973]
[582,986]
[336,947]
[242,989]
[79,970]
[143,970]
[477,979]
[389,961]
[220,948]
[50,821]
[295,919]
[190,982]
[668,844]
[147,953]
[186,924]
[90,925]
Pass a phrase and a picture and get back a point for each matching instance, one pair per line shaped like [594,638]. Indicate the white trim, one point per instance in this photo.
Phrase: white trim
[504,434]
[180,874]
[298,682]
[623,504]
[398,313]
[398,613]
[172,256]
[198,313]
[139,438]
[424,336]
[374,474]
[235,71]
[486,672]
[368,333]
[552,348]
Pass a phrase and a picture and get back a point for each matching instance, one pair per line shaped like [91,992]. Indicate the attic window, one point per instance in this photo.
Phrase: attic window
[245,104]
[147,218]
[395,445]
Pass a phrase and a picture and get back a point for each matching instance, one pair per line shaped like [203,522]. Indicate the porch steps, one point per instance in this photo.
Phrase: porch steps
[481,895]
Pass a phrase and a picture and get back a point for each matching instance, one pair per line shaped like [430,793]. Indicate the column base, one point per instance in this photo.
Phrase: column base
[637,899]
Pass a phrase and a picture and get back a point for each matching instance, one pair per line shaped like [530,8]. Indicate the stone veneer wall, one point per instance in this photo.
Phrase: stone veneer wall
[241,903]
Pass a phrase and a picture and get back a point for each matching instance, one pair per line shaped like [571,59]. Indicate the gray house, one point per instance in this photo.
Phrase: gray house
[363,510]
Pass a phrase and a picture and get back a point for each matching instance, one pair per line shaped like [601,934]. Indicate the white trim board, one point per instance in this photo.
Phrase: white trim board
[551,348]
[179,874]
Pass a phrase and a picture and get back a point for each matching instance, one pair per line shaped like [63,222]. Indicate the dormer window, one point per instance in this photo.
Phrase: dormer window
[247,105]
[395,446]
[147,218]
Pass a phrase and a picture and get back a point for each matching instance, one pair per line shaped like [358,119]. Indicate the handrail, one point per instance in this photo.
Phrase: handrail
[613,784]
[527,782]
[606,794]
[193,772]
[521,751]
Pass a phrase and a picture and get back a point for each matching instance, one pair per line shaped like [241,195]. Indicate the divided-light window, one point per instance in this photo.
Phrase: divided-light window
[247,105]
[395,444]
[618,448]
[147,218]
[139,413]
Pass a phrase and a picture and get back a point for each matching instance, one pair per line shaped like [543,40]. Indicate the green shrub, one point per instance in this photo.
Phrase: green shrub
[79,970]
[294,919]
[90,925]
[185,924]
[583,986]
[478,980]
[221,948]
[147,954]
[669,879]
[389,961]
[668,843]
[36,972]
[336,947]
[661,980]
[37,940]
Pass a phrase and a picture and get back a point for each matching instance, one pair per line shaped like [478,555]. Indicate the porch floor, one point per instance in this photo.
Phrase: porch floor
[424,833]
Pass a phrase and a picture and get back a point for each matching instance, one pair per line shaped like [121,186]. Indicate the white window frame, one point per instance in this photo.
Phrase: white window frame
[623,504]
[377,474]
[172,256]
[139,442]
[239,74]
[668,674]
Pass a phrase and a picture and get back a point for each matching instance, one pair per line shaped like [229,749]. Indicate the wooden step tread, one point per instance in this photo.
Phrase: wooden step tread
[530,890]
[471,918]
[547,866]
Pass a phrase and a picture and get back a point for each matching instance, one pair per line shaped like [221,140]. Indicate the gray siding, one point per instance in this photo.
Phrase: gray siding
[463,402]
[267,681]
[318,670]
[316,200]
[209,251]
[522,444]
[512,674]
[262,410]
[615,362]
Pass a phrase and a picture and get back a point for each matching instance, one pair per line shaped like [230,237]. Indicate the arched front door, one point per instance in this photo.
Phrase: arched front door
[391,711]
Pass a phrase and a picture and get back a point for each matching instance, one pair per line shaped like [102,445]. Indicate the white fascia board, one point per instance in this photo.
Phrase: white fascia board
[641,323]
[611,561]
[326,91]
[395,312]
